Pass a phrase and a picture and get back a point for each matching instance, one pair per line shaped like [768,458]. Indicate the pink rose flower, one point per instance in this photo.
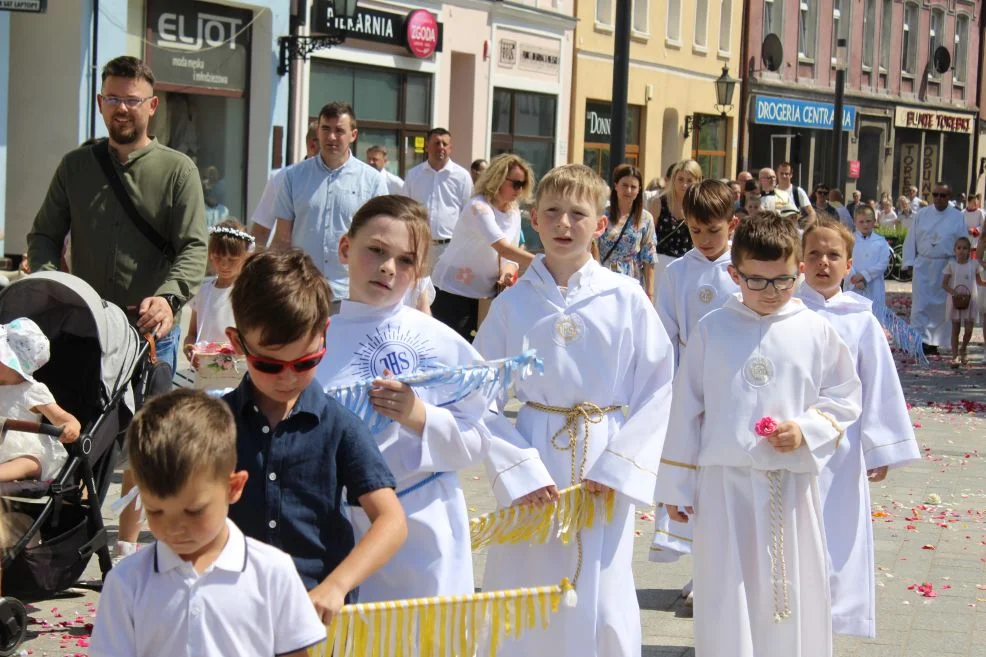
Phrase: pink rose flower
[766,426]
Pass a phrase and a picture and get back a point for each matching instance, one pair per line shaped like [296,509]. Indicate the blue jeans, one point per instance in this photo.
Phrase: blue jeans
[167,348]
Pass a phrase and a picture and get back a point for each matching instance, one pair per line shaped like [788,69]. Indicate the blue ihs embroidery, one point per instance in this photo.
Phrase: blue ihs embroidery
[394,349]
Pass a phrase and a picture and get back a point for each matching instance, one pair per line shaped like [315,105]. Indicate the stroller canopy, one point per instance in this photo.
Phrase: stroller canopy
[64,304]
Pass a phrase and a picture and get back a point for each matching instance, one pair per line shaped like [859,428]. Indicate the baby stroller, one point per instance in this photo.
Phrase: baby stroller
[99,371]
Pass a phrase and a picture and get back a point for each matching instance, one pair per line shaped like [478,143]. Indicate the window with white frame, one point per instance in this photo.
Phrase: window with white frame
[640,16]
[773,17]
[725,25]
[604,12]
[936,36]
[909,44]
[886,25]
[869,33]
[674,20]
[807,27]
[841,10]
[701,23]
[961,51]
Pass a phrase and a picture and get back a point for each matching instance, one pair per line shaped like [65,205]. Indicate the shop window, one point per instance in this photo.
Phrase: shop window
[524,123]
[773,17]
[961,52]
[725,25]
[886,27]
[393,108]
[936,37]
[701,23]
[604,12]
[595,154]
[841,11]
[869,33]
[674,21]
[710,145]
[640,17]
[909,45]
[807,28]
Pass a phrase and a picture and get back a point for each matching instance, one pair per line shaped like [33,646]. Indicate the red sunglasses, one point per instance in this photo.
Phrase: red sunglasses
[274,366]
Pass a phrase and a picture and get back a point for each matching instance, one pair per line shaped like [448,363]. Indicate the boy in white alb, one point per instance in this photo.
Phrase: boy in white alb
[693,286]
[882,437]
[202,589]
[596,416]
[762,399]
[870,258]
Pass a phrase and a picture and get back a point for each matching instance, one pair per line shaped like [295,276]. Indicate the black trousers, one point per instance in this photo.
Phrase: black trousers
[458,313]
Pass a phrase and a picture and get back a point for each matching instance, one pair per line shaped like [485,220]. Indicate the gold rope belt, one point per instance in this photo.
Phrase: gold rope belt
[590,414]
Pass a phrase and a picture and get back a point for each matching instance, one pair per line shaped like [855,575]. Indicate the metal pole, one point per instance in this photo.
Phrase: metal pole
[621,73]
[837,154]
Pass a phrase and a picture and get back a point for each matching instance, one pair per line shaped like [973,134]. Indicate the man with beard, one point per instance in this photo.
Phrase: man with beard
[152,267]
[929,245]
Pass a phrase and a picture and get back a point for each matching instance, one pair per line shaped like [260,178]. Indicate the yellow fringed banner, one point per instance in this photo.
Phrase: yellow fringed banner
[531,523]
[442,626]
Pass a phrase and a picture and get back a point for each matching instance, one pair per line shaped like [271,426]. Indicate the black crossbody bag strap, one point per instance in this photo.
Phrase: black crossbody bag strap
[102,152]
[616,243]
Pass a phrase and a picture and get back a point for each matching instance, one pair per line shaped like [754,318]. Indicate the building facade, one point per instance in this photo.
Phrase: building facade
[678,49]
[905,123]
[221,101]
[496,78]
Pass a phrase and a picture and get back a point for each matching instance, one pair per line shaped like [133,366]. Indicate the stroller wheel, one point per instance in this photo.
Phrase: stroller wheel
[13,625]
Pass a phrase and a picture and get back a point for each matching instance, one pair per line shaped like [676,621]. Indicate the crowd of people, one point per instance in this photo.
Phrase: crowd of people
[648,308]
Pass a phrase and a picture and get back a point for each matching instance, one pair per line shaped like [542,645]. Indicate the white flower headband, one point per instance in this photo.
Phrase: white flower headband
[232,232]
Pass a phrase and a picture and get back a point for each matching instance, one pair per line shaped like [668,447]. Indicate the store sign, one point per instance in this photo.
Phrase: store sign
[854,169]
[929,169]
[508,53]
[419,31]
[909,163]
[911,117]
[800,113]
[540,60]
[196,44]
[598,123]
[31,6]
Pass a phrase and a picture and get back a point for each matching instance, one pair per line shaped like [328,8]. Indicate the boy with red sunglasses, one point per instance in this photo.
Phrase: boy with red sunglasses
[299,446]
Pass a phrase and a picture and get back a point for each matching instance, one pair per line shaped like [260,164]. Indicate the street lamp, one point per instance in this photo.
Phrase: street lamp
[725,87]
[326,34]
[840,92]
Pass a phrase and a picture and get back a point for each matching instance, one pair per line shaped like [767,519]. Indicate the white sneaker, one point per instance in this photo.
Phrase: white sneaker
[124,549]
[686,590]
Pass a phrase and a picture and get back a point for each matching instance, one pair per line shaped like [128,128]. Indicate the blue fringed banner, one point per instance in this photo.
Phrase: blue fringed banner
[904,337]
[488,377]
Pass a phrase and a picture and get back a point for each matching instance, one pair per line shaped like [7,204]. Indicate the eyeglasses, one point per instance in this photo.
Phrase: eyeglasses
[940,194]
[274,366]
[131,103]
[518,184]
[821,191]
[757,284]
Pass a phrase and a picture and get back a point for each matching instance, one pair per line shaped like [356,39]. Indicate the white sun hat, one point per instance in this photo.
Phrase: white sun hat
[23,347]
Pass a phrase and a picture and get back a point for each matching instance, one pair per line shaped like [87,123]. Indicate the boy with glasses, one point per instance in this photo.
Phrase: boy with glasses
[761,580]
[300,447]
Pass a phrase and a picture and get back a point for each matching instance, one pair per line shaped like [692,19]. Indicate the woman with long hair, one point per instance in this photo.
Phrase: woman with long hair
[672,239]
[627,245]
[483,255]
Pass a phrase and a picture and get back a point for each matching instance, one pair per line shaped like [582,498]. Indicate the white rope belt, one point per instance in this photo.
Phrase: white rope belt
[778,565]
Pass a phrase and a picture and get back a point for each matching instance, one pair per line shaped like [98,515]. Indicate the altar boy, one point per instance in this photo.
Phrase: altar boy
[762,398]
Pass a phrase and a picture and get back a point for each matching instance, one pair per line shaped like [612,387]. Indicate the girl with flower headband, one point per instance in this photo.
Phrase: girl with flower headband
[229,246]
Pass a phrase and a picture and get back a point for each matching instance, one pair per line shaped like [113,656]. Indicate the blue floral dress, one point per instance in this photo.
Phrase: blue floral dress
[634,250]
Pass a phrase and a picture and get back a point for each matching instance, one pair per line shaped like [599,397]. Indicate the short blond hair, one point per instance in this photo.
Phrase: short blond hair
[576,180]
[488,184]
[831,224]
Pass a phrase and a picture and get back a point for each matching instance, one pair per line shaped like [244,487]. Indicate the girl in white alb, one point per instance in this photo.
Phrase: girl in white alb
[882,437]
[431,436]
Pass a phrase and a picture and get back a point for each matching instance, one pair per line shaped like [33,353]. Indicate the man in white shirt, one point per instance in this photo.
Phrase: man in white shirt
[376,157]
[440,185]
[263,215]
[912,196]
[791,199]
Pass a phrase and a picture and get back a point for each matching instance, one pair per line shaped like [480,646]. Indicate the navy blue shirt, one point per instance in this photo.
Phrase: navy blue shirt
[293,497]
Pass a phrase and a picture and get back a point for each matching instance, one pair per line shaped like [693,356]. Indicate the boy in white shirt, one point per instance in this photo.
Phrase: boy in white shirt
[762,398]
[882,437]
[596,416]
[202,589]
[870,258]
[693,286]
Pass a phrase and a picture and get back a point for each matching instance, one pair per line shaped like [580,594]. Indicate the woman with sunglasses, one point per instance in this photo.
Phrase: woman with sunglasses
[433,431]
[484,255]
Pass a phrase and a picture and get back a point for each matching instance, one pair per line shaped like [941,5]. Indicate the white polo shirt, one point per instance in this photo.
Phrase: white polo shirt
[249,602]
[444,193]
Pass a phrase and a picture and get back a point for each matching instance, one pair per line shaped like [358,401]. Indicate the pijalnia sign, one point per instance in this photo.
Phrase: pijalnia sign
[419,31]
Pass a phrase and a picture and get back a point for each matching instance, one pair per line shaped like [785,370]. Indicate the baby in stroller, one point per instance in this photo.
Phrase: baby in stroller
[23,349]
